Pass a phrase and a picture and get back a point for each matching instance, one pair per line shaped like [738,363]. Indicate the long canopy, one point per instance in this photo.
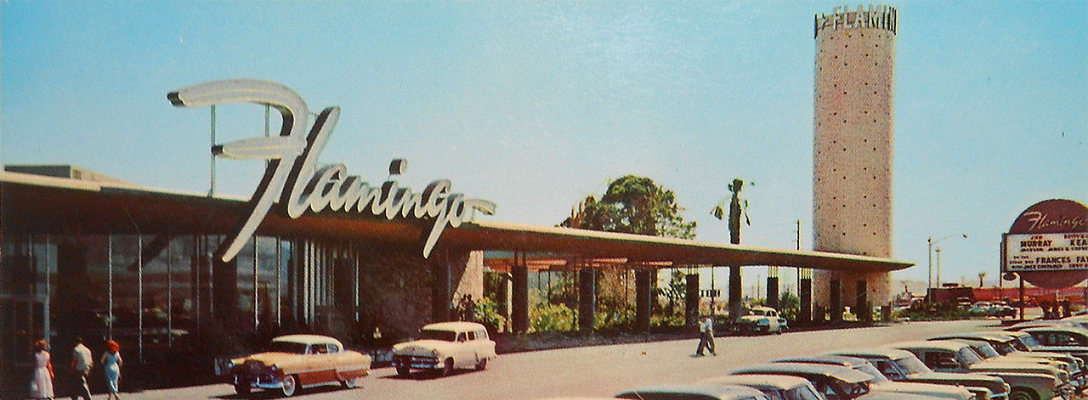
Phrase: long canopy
[34,204]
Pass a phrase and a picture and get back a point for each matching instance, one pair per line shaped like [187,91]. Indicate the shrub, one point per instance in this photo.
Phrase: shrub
[487,313]
[552,318]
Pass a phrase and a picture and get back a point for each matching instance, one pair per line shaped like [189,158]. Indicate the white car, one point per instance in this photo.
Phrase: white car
[444,347]
[761,320]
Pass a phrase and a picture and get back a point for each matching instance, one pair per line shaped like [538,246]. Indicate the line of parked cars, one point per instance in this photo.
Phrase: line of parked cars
[1037,361]
[295,362]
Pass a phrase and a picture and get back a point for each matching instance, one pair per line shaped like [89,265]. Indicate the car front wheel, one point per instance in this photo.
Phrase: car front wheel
[447,367]
[482,365]
[242,389]
[290,385]
[403,371]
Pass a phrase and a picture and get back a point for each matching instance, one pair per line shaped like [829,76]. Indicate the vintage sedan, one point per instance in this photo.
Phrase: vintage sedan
[1008,344]
[1024,341]
[776,387]
[879,383]
[761,320]
[832,381]
[693,392]
[444,347]
[1028,381]
[903,366]
[299,361]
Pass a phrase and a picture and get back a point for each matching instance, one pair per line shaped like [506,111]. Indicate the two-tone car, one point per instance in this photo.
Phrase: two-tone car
[1028,381]
[445,347]
[879,383]
[760,320]
[903,366]
[293,362]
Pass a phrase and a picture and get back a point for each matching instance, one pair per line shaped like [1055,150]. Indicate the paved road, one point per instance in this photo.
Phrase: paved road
[597,371]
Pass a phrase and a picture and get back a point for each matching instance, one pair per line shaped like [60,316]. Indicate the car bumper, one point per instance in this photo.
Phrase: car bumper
[416,362]
[752,328]
[259,381]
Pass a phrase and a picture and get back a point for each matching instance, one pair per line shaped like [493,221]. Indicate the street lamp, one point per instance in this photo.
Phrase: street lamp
[931,243]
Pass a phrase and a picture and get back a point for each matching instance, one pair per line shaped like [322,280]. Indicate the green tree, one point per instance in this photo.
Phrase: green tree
[633,204]
[637,205]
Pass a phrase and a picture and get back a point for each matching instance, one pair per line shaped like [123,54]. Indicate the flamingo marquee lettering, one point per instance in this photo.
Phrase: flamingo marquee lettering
[293,179]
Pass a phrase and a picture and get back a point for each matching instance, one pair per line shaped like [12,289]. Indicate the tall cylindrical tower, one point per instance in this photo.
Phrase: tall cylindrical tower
[854,129]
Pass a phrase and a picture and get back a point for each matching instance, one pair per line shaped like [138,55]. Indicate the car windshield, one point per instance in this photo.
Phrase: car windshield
[871,370]
[756,312]
[853,390]
[434,334]
[801,393]
[987,351]
[1005,347]
[912,365]
[287,347]
[1029,342]
[969,355]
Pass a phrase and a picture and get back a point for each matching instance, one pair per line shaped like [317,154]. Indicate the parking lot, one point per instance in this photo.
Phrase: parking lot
[601,370]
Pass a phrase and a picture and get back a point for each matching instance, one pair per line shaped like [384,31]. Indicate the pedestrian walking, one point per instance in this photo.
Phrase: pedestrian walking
[111,363]
[41,385]
[81,368]
[706,337]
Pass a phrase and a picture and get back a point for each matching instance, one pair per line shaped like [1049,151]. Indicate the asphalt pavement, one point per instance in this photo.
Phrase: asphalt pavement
[595,371]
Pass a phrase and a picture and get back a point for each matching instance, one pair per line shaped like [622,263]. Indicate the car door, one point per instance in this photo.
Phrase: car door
[321,364]
[487,346]
[463,354]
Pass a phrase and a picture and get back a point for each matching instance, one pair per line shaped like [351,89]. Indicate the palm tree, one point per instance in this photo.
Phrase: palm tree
[981,276]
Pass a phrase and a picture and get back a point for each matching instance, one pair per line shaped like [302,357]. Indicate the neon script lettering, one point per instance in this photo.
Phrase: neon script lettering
[292,174]
[1041,221]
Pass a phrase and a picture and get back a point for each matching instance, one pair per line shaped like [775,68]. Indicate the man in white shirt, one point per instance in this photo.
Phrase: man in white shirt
[706,337]
[81,366]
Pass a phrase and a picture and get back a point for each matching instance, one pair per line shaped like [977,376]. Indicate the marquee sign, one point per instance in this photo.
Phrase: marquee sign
[1046,252]
[1047,244]
[295,182]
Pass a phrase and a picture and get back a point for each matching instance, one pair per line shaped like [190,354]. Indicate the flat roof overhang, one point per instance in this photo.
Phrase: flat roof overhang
[34,204]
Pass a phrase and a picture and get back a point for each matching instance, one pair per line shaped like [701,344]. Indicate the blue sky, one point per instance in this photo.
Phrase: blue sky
[536,104]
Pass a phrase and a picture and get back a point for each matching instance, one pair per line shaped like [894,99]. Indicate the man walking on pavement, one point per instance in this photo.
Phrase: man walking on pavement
[706,337]
[81,365]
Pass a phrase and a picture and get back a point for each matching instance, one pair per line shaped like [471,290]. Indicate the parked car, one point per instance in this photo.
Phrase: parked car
[445,347]
[903,366]
[1019,326]
[1028,381]
[1008,344]
[1076,321]
[776,387]
[299,361]
[1059,335]
[879,383]
[1004,343]
[694,392]
[989,353]
[997,309]
[1026,342]
[761,320]
[831,381]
